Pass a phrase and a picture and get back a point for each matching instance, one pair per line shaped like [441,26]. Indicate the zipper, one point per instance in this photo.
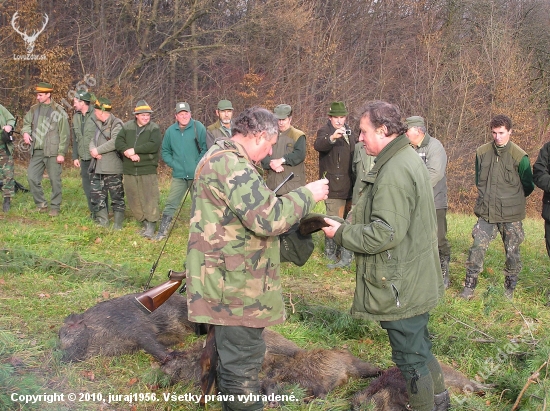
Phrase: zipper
[396,293]
[388,226]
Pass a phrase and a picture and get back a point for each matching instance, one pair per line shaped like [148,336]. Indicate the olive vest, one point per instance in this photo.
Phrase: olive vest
[285,145]
[501,198]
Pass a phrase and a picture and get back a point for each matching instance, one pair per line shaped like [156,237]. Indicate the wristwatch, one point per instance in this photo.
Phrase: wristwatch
[283,161]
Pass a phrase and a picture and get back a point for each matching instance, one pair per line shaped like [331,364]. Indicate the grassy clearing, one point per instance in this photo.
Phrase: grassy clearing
[50,268]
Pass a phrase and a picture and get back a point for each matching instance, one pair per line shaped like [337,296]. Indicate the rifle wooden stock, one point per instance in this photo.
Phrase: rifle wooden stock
[152,299]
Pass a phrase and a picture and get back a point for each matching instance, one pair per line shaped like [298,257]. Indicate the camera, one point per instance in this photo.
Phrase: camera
[348,132]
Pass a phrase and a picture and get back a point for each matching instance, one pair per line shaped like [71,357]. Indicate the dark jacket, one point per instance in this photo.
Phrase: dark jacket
[146,145]
[541,177]
[335,160]
[394,237]
[503,178]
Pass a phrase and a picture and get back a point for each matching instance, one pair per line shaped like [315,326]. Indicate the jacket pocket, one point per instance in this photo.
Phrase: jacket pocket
[383,290]
[225,278]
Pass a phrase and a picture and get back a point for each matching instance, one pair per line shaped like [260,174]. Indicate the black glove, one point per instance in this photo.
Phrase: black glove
[7,137]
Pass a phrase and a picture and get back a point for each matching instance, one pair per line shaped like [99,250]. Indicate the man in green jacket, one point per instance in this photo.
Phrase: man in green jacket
[393,232]
[288,155]
[221,129]
[107,175]
[82,135]
[183,146]
[139,141]
[7,122]
[503,179]
[233,254]
[46,130]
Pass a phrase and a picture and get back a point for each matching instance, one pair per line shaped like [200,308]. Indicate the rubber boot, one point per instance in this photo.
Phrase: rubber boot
[469,286]
[149,229]
[119,219]
[444,260]
[7,204]
[510,285]
[345,259]
[421,394]
[442,401]
[102,217]
[163,227]
[330,249]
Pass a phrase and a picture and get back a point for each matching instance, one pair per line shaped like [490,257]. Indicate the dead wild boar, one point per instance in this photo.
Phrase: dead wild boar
[318,371]
[389,392]
[118,326]
[198,362]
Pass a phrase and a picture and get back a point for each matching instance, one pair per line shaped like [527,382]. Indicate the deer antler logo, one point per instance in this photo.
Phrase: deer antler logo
[29,40]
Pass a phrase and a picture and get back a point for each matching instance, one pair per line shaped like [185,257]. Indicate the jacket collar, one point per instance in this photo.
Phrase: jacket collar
[398,144]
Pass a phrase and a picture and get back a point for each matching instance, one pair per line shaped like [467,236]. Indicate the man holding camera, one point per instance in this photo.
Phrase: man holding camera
[336,144]
[7,122]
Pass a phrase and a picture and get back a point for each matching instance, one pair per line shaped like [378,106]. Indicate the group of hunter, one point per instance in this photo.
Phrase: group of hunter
[385,195]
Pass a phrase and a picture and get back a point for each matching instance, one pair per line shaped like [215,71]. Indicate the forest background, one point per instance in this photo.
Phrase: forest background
[455,62]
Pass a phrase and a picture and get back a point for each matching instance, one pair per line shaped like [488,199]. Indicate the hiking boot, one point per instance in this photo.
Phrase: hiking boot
[510,282]
[442,401]
[469,286]
[163,228]
[7,204]
[102,218]
[54,212]
[330,249]
[149,229]
[346,257]
[444,261]
[42,208]
[118,220]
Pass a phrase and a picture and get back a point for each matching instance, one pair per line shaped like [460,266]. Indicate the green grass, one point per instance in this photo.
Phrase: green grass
[50,268]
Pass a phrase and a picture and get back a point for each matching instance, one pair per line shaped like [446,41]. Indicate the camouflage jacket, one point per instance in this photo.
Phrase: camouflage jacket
[233,250]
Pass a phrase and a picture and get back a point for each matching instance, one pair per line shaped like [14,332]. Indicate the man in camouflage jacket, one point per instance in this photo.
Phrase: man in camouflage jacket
[233,257]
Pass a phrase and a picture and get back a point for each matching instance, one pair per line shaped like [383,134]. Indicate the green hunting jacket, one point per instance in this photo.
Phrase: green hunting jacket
[146,145]
[503,179]
[233,249]
[49,128]
[393,233]
[104,140]
[83,132]
[6,118]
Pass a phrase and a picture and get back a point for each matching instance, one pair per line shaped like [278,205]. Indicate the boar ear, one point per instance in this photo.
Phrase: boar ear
[75,321]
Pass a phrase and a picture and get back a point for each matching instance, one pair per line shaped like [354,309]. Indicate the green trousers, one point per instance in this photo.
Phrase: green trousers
[412,353]
[178,188]
[86,181]
[241,353]
[142,193]
[35,174]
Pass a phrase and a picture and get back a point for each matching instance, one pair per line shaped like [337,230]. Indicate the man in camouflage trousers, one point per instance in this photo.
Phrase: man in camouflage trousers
[503,179]
[107,176]
[233,253]
[7,122]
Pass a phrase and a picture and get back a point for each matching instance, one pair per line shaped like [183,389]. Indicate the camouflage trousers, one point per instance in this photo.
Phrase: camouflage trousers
[483,233]
[6,173]
[101,186]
